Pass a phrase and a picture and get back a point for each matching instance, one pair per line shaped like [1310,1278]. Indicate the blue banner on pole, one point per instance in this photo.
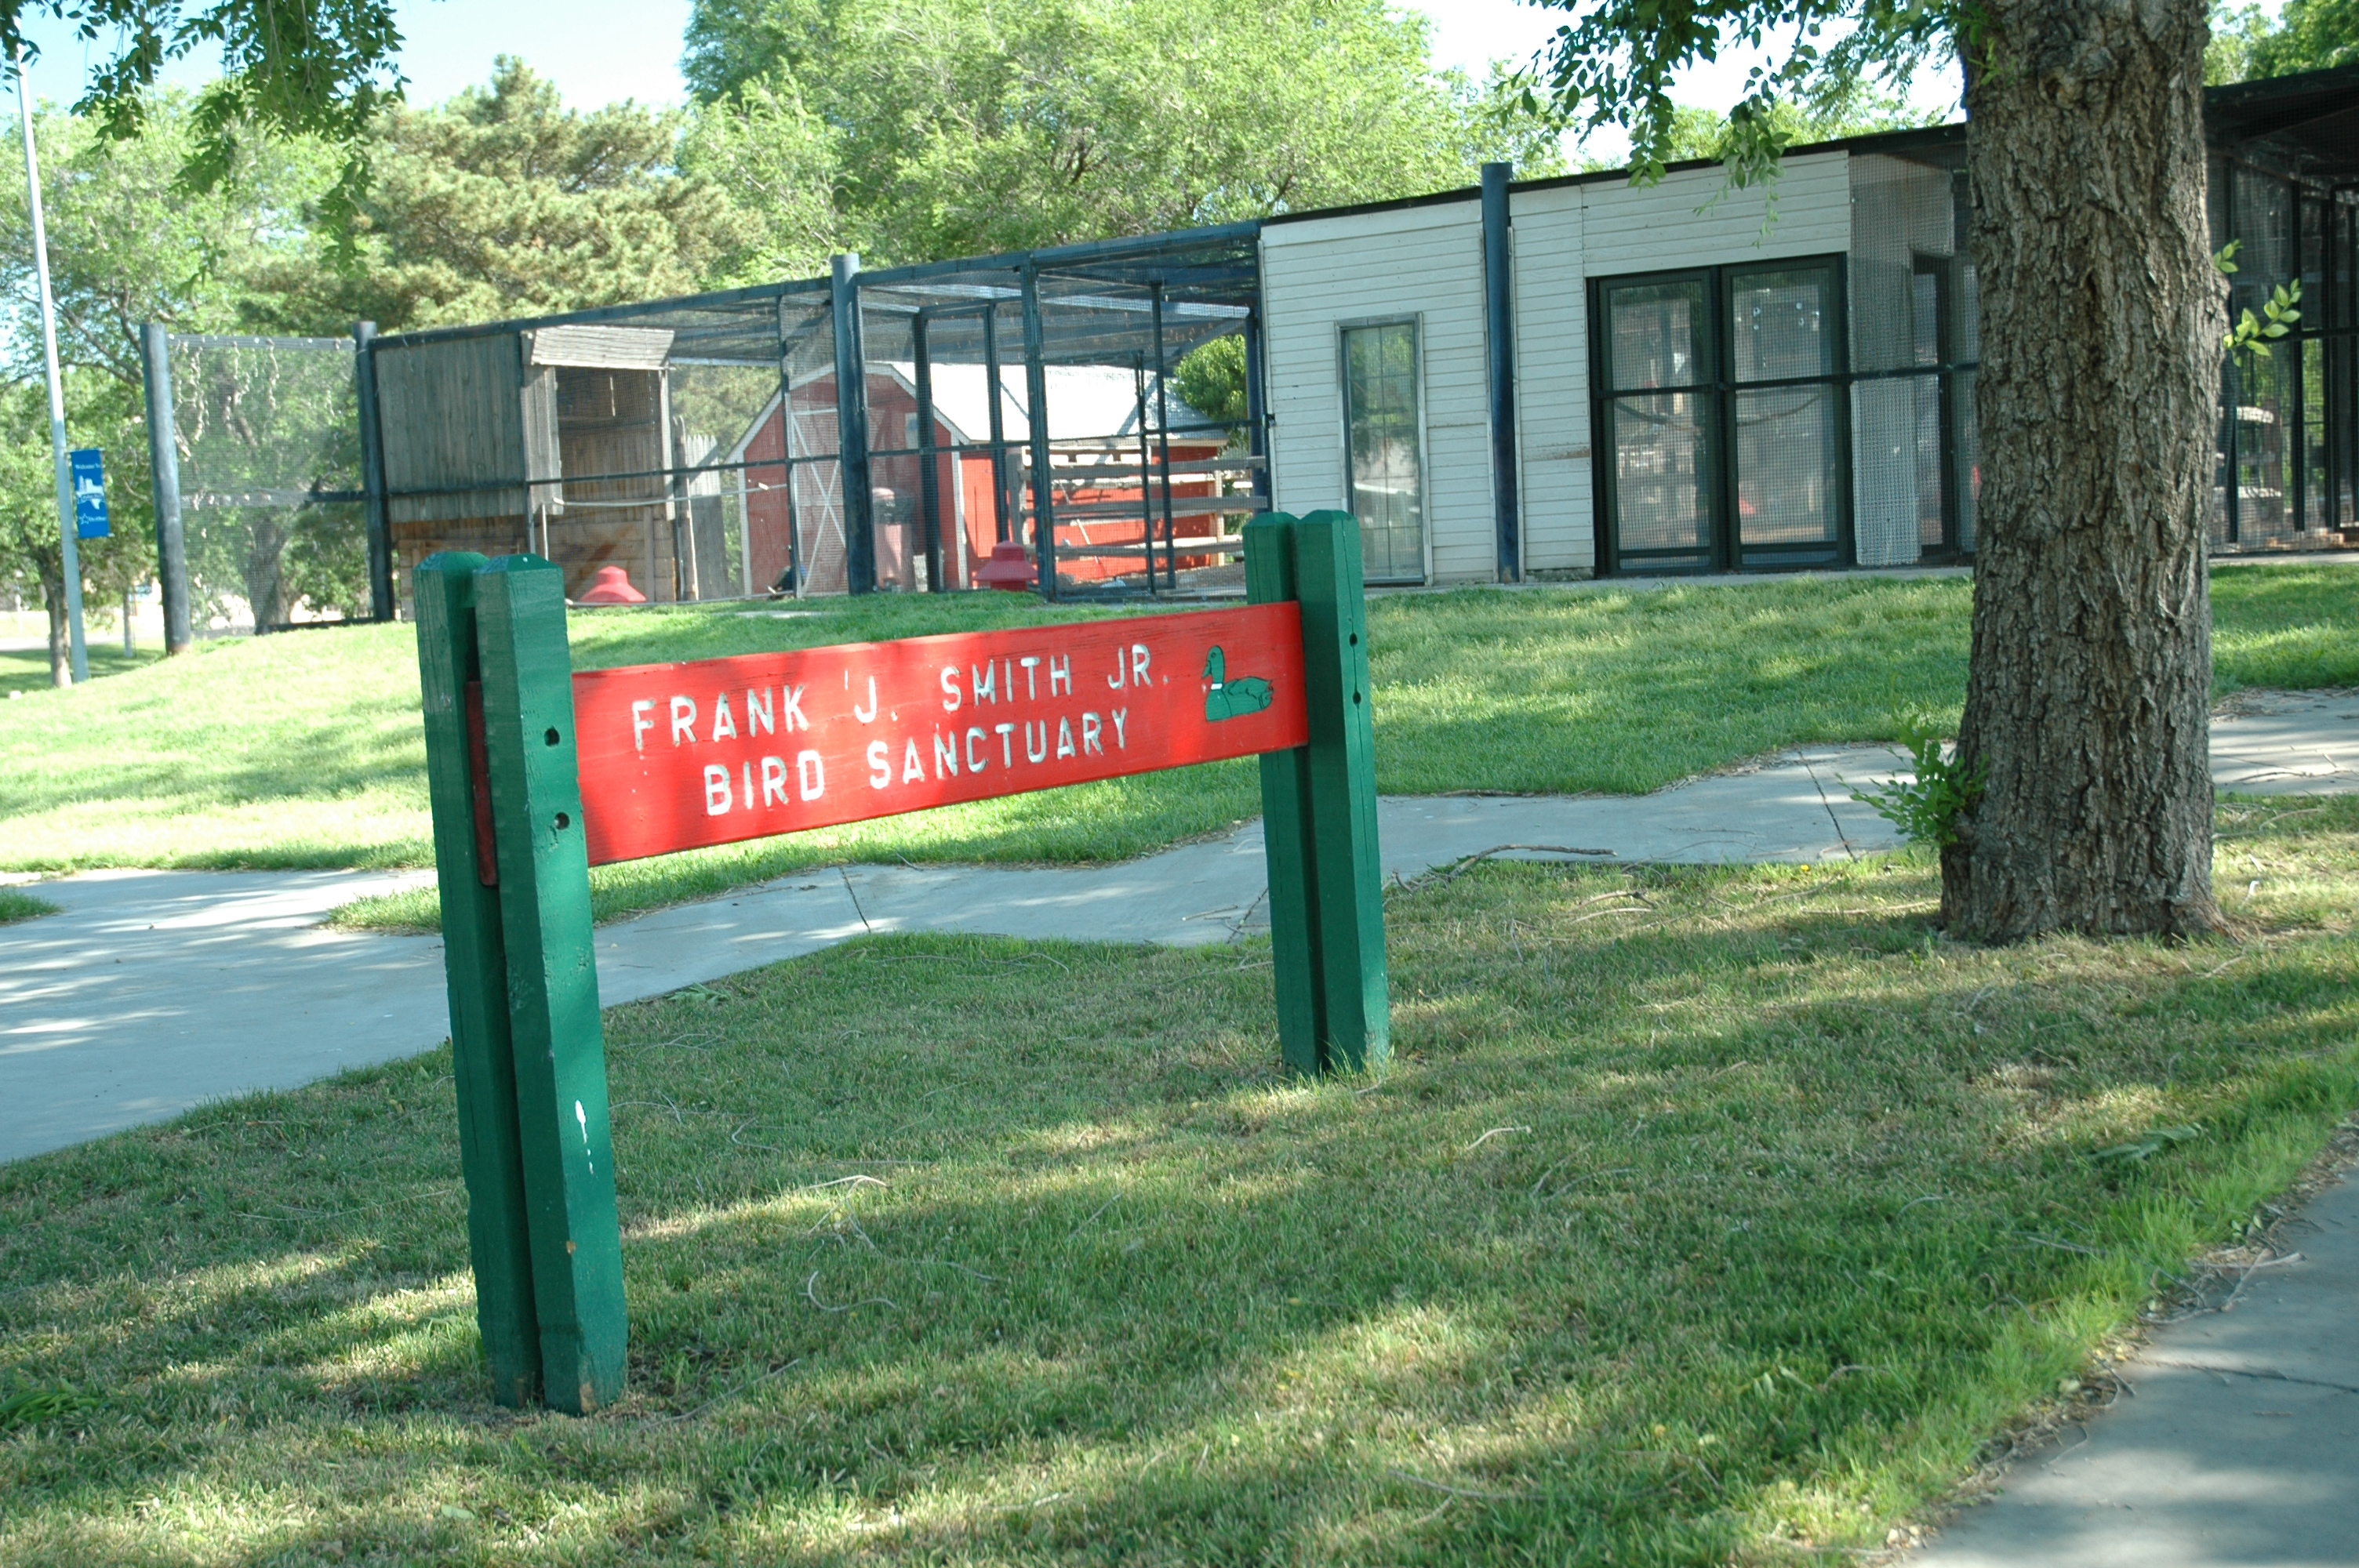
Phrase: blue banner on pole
[88,465]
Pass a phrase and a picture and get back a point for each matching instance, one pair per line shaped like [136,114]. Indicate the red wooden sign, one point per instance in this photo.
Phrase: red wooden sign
[676,756]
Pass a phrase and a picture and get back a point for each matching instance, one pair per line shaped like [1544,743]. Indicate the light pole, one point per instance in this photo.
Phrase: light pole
[71,554]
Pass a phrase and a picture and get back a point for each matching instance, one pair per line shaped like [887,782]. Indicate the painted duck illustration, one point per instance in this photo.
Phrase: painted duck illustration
[1228,699]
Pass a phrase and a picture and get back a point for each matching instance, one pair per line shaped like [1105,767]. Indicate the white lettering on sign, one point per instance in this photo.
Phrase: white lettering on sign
[974,763]
[1138,664]
[1006,745]
[1091,745]
[880,764]
[640,724]
[951,694]
[945,754]
[683,720]
[1060,669]
[758,713]
[1121,743]
[913,766]
[791,696]
[724,723]
[1065,738]
[716,790]
[1031,664]
[773,781]
[986,682]
[870,715]
[1036,753]
[810,775]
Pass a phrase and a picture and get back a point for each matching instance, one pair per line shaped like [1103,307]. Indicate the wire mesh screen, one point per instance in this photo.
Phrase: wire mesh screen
[729,445]
[266,434]
[1913,344]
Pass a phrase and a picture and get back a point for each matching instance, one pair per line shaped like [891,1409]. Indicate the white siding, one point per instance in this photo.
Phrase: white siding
[1421,262]
[1658,228]
[1426,263]
[1552,381]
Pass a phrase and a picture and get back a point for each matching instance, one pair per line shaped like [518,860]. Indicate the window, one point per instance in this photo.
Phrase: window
[1384,457]
[1720,401]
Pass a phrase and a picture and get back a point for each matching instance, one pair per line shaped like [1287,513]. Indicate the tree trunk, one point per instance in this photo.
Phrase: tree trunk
[53,595]
[2088,702]
[265,567]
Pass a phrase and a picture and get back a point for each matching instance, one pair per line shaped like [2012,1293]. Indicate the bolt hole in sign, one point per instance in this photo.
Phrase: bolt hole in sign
[87,468]
[680,756]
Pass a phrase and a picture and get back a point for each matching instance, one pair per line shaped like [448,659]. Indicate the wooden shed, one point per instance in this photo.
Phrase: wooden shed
[481,432]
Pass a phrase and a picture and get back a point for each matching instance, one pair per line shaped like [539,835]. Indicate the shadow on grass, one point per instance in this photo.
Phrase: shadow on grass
[1703,1212]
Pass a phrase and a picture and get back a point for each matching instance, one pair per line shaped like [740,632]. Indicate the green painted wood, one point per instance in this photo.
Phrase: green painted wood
[1286,838]
[474,965]
[1347,877]
[552,985]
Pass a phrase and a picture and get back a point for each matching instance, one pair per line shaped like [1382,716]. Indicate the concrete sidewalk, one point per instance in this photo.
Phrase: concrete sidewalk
[155,990]
[2235,1440]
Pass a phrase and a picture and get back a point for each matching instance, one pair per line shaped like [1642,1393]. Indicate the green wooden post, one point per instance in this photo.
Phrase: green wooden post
[552,981]
[1285,795]
[1347,866]
[475,964]
[1318,805]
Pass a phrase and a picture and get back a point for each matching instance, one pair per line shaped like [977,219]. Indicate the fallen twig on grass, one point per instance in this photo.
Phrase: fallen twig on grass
[811,1293]
[1453,1491]
[1459,867]
[1488,1136]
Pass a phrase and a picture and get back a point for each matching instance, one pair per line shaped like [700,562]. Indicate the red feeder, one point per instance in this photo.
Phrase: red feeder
[1009,569]
[611,586]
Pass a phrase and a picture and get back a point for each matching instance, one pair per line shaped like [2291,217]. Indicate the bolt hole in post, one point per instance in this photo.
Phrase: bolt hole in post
[563,822]
[551,737]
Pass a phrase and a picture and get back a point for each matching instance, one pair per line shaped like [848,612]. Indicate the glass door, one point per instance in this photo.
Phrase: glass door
[1662,411]
[1788,433]
[1384,458]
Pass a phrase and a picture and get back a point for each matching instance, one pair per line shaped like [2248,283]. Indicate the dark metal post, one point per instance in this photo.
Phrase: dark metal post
[787,455]
[1162,441]
[164,463]
[1257,413]
[1035,394]
[929,490]
[998,399]
[1146,469]
[382,603]
[852,430]
[1500,318]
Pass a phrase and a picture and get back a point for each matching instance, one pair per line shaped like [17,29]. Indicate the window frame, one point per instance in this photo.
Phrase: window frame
[1725,549]
[1415,321]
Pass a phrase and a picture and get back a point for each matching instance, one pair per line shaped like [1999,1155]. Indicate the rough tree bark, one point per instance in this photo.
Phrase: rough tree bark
[2088,702]
[53,599]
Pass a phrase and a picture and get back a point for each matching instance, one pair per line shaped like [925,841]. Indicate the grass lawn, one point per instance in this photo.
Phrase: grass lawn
[304,750]
[1705,1217]
[27,669]
[16,904]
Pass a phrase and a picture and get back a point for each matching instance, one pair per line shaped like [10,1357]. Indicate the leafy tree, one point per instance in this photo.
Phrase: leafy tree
[918,129]
[2087,706]
[321,68]
[127,243]
[102,413]
[2310,35]
[503,202]
[1697,133]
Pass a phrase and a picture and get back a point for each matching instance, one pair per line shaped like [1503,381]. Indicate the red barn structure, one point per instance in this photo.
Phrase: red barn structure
[1108,460]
